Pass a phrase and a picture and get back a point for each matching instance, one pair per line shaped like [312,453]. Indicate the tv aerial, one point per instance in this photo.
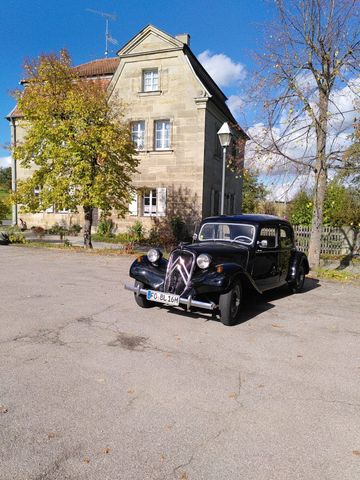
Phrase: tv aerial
[108,37]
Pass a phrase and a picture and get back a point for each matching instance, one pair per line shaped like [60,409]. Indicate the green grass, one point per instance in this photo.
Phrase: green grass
[337,275]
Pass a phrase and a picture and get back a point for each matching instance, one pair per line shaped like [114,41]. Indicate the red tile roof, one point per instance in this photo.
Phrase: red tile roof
[98,68]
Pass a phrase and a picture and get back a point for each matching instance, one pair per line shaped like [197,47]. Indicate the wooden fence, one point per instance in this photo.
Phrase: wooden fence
[334,240]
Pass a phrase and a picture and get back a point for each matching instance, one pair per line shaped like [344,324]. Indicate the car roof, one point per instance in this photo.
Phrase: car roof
[247,218]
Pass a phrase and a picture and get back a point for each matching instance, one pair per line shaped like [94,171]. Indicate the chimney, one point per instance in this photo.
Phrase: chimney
[184,38]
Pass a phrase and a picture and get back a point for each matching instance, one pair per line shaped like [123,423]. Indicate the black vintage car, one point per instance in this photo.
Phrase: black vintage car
[228,255]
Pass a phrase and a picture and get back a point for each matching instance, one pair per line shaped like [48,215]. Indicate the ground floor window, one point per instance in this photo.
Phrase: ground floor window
[149,202]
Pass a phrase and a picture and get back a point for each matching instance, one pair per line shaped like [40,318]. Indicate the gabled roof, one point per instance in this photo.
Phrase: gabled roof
[168,42]
[143,34]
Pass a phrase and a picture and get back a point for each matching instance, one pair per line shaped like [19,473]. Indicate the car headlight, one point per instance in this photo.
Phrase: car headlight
[153,255]
[203,261]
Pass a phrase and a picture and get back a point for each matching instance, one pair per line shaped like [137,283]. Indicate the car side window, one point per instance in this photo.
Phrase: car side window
[286,238]
[268,234]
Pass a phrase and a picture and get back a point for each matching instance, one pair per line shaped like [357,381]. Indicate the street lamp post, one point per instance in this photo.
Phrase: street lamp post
[224,135]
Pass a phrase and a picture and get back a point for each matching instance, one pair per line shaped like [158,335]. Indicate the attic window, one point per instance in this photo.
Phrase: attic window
[150,80]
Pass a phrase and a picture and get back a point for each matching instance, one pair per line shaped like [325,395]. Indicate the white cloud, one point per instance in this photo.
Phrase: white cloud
[236,104]
[222,69]
[5,161]
[284,187]
[297,139]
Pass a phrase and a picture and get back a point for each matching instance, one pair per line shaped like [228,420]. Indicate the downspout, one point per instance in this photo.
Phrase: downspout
[13,173]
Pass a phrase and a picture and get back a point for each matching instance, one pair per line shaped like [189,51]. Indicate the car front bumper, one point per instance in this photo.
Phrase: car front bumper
[187,301]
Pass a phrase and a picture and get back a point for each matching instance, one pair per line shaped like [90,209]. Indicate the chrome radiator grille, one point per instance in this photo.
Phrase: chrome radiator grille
[179,271]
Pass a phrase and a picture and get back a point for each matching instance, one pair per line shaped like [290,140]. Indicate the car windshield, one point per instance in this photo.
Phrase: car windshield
[230,232]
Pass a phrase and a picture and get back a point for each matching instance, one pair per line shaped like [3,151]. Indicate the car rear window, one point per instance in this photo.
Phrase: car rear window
[232,232]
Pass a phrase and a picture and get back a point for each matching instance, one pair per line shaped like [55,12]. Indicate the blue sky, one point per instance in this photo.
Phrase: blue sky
[225,33]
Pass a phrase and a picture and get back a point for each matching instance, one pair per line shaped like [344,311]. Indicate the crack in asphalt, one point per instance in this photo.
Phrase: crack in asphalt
[56,468]
[195,451]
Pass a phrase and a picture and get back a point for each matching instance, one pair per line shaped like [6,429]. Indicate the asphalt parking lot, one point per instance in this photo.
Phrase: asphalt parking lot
[93,387]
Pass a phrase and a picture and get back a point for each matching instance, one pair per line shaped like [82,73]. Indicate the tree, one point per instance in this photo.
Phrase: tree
[352,156]
[79,144]
[341,206]
[4,210]
[309,66]
[254,192]
[300,209]
[5,177]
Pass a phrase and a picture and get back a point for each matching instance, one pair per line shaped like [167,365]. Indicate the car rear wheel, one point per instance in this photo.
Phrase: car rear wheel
[298,284]
[141,299]
[229,305]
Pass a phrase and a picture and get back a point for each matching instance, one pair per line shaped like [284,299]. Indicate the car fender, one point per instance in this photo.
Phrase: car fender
[152,275]
[296,259]
[236,273]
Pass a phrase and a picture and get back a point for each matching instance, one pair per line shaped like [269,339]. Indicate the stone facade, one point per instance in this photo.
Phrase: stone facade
[174,110]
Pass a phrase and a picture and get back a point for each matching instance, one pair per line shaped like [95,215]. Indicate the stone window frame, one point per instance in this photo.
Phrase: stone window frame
[133,132]
[152,87]
[169,144]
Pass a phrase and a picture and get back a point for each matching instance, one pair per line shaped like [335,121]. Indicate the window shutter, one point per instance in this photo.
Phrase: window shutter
[161,201]
[133,206]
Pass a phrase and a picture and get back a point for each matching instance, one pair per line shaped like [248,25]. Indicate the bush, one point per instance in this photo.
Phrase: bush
[162,234]
[57,229]
[15,235]
[75,229]
[178,228]
[136,232]
[105,227]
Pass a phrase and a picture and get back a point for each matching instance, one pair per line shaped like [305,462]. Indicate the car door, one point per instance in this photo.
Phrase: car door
[266,261]
[286,246]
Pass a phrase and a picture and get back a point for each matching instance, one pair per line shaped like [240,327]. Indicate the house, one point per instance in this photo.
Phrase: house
[174,109]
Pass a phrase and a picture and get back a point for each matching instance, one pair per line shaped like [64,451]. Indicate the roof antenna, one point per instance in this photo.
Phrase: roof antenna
[108,37]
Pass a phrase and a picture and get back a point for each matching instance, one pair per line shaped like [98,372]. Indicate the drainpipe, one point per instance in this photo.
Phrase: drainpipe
[13,173]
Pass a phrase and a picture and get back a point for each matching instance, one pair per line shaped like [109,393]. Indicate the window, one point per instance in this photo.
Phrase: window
[150,202]
[154,202]
[150,80]
[268,234]
[162,134]
[138,134]
[286,238]
[235,232]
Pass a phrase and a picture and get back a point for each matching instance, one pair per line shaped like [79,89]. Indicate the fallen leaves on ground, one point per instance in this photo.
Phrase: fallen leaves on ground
[3,409]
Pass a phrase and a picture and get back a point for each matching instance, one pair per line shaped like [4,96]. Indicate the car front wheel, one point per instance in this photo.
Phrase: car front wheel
[141,299]
[298,284]
[229,305]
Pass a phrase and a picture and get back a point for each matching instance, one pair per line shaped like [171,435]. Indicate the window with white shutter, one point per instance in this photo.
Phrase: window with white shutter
[161,201]
[133,206]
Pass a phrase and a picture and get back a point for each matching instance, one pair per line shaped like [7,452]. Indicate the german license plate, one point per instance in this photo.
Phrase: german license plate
[161,297]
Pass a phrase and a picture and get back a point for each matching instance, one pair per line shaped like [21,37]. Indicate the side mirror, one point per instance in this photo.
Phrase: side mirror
[262,243]
[195,237]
